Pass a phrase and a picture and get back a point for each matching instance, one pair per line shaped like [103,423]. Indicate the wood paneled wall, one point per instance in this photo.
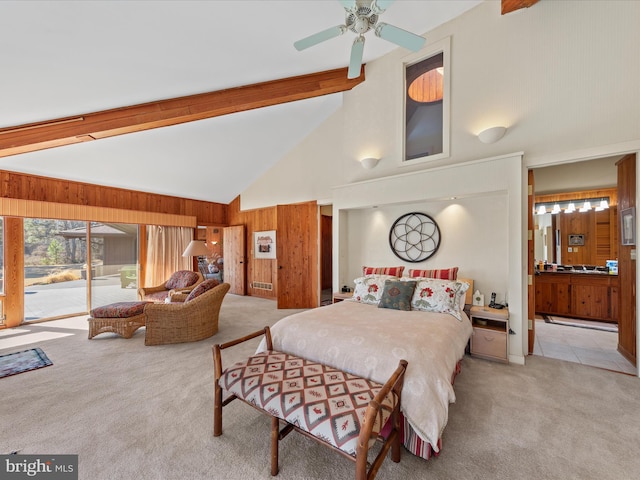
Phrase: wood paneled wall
[32,187]
[65,192]
[627,264]
[259,270]
[600,236]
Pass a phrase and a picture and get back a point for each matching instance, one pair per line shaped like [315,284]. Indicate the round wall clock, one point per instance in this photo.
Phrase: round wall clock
[414,237]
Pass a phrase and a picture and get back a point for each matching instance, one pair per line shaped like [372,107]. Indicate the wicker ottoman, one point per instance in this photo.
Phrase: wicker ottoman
[123,318]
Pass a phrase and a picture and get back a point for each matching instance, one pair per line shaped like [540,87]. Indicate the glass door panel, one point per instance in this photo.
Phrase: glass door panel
[55,257]
[114,254]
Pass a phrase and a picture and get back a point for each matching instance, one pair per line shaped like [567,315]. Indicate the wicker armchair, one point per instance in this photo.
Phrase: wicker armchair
[182,280]
[189,321]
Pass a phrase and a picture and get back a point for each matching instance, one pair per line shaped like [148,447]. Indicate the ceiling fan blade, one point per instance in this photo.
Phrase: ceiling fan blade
[355,63]
[319,37]
[401,37]
[381,5]
[348,4]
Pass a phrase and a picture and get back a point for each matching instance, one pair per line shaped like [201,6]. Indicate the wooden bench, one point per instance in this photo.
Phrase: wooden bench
[342,411]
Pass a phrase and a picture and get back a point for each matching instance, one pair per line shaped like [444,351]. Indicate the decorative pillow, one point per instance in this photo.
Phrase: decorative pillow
[200,289]
[368,289]
[397,294]
[393,271]
[181,279]
[443,296]
[442,274]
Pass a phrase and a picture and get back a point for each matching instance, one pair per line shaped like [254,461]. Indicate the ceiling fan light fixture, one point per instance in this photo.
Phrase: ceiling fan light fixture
[362,16]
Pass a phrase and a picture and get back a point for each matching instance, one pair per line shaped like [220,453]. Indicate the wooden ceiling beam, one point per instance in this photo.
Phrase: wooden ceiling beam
[163,113]
[509,6]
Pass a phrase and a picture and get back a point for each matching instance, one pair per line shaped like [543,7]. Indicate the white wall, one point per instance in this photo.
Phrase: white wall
[479,256]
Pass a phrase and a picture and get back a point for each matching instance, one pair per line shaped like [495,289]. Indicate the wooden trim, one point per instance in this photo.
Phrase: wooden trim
[13,207]
[612,193]
[162,113]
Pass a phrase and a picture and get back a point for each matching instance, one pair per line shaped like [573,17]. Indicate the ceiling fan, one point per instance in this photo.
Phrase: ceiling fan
[360,17]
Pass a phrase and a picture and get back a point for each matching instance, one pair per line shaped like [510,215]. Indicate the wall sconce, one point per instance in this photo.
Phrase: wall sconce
[492,135]
[369,162]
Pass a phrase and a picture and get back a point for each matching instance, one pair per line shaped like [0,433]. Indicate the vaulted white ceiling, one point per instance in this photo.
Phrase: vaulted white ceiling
[65,58]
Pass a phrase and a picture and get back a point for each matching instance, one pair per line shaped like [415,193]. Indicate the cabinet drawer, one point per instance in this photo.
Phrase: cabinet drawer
[489,343]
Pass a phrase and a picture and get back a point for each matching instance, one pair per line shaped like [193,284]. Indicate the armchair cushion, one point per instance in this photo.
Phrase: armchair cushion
[182,279]
[201,288]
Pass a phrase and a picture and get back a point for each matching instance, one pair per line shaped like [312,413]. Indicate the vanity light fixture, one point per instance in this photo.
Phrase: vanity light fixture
[603,205]
[492,135]
[569,206]
[586,206]
[369,162]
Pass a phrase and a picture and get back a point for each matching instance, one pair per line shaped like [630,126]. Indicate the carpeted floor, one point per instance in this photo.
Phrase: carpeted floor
[136,412]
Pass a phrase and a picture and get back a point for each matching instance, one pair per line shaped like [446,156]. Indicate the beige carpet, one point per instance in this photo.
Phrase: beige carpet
[136,412]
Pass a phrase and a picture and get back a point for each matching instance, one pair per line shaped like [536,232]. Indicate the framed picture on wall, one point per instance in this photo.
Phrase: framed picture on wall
[264,244]
[576,240]
[628,226]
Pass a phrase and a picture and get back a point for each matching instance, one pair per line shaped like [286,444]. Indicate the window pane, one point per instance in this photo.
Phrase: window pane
[54,277]
[424,120]
[114,260]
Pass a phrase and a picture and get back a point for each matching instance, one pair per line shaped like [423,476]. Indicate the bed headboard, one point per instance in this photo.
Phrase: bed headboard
[468,299]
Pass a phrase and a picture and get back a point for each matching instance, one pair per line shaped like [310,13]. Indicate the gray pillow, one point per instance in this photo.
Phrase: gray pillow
[397,294]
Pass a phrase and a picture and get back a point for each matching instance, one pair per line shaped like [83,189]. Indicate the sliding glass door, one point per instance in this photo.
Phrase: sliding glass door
[64,278]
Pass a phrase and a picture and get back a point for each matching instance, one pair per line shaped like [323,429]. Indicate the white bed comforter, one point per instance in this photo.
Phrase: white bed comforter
[368,341]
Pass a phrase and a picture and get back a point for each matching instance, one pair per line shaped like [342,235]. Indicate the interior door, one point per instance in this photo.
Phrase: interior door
[235,259]
[531,289]
[297,248]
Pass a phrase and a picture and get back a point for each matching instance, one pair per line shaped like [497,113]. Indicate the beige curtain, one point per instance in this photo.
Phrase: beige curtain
[164,252]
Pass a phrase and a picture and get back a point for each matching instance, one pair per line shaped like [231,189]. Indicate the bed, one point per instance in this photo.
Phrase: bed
[358,337]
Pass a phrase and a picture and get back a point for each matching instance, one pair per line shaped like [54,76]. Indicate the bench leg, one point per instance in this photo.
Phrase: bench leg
[275,433]
[217,411]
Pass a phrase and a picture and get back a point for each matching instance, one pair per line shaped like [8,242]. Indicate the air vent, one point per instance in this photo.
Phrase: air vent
[263,286]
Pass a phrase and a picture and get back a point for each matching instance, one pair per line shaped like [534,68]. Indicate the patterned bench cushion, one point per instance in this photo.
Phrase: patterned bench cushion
[326,402]
[119,310]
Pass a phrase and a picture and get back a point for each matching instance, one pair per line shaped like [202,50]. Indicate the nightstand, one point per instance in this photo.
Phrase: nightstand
[490,337]
[340,296]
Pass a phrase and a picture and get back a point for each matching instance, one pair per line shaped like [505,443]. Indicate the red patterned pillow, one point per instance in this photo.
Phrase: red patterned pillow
[200,289]
[395,271]
[441,274]
[181,279]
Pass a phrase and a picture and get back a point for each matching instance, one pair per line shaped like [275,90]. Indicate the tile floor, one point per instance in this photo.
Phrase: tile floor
[580,345]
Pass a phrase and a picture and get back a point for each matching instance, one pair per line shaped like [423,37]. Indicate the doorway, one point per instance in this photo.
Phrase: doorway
[576,321]
[326,254]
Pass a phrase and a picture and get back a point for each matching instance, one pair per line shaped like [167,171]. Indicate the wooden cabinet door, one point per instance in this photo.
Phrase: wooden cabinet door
[553,294]
[235,260]
[591,301]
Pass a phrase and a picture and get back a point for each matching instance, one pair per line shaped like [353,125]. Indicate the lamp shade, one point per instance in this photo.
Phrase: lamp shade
[196,248]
